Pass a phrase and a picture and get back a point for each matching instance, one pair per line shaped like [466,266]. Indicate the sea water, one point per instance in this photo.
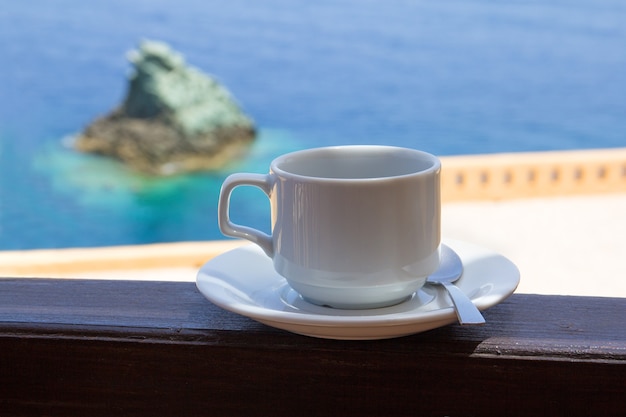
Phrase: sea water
[449,77]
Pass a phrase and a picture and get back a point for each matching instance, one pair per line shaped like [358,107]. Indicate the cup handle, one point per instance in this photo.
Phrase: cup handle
[265,183]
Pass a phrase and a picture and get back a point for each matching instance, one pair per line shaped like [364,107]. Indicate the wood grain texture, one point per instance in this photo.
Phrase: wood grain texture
[83,347]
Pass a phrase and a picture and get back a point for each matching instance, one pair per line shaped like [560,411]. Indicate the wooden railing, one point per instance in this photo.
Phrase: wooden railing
[129,348]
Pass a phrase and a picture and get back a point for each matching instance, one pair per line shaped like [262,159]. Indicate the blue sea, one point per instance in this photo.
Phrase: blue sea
[450,77]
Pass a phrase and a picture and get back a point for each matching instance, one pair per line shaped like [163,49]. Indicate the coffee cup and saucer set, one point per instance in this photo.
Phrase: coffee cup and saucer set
[355,250]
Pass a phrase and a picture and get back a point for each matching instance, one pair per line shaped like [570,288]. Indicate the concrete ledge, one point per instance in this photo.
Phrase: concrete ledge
[75,261]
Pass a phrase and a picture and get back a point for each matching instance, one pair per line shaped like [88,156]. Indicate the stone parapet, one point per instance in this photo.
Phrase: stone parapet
[533,174]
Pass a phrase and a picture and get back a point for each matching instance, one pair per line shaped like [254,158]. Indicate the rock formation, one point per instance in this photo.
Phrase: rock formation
[174,118]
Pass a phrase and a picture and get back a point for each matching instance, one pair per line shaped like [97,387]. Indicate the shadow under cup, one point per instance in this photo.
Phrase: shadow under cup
[356,226]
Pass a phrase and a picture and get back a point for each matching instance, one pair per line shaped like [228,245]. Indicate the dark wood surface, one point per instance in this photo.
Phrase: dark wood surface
[91,348]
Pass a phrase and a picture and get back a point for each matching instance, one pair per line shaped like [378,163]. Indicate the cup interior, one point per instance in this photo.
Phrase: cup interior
[356,162]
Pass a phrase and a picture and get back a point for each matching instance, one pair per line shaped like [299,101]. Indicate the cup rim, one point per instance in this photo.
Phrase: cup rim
[275,165]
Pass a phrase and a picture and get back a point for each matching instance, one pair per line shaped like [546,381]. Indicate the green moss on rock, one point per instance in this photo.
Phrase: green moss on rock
[173,119]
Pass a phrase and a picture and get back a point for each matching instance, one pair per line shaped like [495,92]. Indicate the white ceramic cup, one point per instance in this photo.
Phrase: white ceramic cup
[352,226]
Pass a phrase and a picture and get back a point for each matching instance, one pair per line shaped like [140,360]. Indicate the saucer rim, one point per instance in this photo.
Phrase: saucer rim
[313,324]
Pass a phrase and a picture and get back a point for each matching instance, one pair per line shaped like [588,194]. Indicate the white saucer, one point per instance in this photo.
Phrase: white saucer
[243,281]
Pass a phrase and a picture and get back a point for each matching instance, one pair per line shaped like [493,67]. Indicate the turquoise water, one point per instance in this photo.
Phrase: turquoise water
[450,77]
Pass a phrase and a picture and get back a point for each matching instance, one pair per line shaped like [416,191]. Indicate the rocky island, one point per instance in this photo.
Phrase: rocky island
[174,118]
